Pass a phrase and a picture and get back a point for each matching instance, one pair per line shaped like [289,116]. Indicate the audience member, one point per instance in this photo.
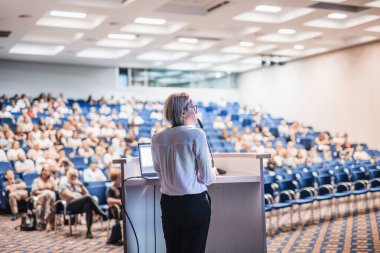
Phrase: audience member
[24,165]
[93,173]
[79,200]
[17,192]
[43,188]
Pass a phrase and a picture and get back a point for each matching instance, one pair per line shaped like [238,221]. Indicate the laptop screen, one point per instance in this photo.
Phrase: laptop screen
[146,159]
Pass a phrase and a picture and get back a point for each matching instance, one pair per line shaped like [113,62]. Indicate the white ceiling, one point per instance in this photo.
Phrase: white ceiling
[216,35]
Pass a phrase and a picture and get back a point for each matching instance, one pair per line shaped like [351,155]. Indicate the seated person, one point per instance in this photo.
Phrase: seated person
[93,173]
[79,200]
[115,207]
[3,156]
[113,194]
[24,165]
[44,188]
[15,151]
[17,191]
[360,154]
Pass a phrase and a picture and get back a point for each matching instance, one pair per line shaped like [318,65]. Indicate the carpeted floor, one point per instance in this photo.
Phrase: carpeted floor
[349,232]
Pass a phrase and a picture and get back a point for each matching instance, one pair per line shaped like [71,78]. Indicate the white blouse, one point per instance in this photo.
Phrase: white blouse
[180,157]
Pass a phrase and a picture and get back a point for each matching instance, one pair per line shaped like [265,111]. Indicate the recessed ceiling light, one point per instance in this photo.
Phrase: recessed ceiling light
[67,14]
[102,53]
[150,21]
[299,47]
[120,36]
[373,4]
[268,8]
[246,44]
[287,31]
[188,40]
[336,15]
[330,1]
[36,49]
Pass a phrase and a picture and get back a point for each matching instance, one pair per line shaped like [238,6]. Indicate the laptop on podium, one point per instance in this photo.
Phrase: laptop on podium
[146,161]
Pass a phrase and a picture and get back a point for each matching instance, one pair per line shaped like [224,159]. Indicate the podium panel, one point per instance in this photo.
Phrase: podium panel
[237,210]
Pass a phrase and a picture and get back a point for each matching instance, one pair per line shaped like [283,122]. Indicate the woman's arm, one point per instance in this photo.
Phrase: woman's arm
[206,174]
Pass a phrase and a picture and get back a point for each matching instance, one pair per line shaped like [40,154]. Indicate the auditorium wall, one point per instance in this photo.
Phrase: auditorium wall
[339,91]
[77,81]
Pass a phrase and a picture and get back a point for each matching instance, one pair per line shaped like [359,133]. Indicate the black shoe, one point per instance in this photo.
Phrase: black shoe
[15,216]
[89,235]
[118,243]
[41,226]
[104,216]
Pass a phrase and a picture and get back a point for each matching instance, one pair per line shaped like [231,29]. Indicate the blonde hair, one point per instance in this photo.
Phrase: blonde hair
[173,107]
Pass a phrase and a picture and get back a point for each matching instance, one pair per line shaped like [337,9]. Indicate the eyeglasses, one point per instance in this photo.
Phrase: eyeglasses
[195,108]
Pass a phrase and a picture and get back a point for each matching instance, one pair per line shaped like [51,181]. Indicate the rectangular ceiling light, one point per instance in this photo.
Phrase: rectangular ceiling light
[215,58]
[287,31]
[159,55]
[150,21]
[246,44]
[35,49]
[374,29]
[67,14]
[268,8]
[330,1]
[188,66]
[336,15]
[102,53]
[188,40]
[373,4]
[299,47]
[120,36]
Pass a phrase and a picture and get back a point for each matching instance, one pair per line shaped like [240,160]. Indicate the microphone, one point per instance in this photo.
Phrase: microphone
[220,171]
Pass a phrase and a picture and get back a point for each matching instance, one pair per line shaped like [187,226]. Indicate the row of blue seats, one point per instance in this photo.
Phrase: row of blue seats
[308,186]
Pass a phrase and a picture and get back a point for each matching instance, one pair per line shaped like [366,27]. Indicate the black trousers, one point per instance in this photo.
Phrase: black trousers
[185,221]
[85,204]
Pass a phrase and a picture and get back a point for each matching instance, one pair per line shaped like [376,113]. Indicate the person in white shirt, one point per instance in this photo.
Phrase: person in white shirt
[6,114]
[219,124]
[35,152]
[3,156]
[180,157]
[104,109]
[109,156]
[26,124]
[360,154]
[135,119]
[156,115]
[44,142]
[106,131]
[74,141]
[13,108]
[283,129]
[52,119]
[93,115]
[24,165]
[120,131]
[85,151]
[15,151]
[93,174]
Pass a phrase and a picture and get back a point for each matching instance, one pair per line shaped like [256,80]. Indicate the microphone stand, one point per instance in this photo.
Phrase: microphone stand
[220,171]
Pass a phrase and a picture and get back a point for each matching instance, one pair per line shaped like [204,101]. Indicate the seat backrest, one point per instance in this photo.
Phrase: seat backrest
[324,179]
[342,178]
[4,166]
[374,173]
[100,192]
[28,178]
[268,189]
[287,185]
[306,182]
[359,175]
